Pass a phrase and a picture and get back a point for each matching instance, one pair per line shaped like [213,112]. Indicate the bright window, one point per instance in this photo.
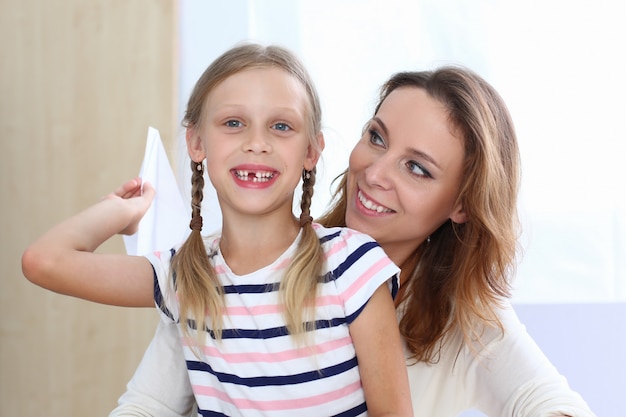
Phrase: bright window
[558,64]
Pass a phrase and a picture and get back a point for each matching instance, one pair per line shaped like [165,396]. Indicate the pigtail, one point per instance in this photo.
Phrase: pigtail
[299,286]
[197,287]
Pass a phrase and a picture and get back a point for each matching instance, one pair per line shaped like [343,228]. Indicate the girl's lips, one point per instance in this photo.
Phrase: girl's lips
[371,205]
[254,176]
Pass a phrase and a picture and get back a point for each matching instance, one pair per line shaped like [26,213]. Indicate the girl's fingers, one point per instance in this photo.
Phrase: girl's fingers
[129,189]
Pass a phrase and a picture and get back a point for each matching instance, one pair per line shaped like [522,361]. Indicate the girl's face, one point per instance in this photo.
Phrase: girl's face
[253,134]
[405,173]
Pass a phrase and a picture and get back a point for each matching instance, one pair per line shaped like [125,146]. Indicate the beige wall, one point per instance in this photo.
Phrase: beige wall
[80,82]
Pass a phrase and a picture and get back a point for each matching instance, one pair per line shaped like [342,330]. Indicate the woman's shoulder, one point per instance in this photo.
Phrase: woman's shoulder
[492,339]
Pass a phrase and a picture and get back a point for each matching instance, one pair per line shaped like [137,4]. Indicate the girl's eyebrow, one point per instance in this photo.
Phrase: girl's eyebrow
[412,151]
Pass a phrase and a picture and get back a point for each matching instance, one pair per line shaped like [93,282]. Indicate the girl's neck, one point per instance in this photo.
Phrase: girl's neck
[248,245]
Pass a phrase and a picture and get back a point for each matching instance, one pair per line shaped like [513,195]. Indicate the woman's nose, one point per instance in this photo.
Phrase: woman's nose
[378,173]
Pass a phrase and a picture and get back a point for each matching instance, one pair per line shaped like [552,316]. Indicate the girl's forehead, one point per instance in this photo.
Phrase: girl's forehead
[270,82]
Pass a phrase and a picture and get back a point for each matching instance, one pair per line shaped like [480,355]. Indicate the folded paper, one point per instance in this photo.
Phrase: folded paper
[166,221]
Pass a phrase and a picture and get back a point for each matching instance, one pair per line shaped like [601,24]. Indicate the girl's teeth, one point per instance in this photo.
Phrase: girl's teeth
[258,176]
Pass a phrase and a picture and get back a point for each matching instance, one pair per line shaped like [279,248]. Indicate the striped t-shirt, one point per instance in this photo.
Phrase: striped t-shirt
[257,369]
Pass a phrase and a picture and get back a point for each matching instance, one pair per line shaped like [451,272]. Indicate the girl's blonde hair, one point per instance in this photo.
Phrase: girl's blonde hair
[198,289]
[460,276]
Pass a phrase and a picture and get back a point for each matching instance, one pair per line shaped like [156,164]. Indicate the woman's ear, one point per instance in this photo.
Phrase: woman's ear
[194,145]
[313,153]
[458,215]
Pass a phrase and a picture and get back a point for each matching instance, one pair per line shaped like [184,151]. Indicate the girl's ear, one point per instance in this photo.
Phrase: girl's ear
[458,215]
[194,145]
[313,153]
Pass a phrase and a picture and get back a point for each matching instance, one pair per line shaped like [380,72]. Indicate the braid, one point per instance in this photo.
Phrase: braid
[308,181]
[197,194]
[196,282]
[299,286]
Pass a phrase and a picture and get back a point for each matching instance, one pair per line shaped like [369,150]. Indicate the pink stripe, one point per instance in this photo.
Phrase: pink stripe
[283,264]
[340,245]
[365,277]
[255,310]
[275,405]
[273,357]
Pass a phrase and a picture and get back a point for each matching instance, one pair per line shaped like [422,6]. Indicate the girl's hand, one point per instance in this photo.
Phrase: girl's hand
[138,198]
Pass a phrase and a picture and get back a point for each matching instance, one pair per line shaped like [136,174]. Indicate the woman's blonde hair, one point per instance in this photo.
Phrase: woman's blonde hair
[460,276]
[198,289]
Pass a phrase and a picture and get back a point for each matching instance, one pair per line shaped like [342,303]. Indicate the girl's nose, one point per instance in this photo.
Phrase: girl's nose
[257,142]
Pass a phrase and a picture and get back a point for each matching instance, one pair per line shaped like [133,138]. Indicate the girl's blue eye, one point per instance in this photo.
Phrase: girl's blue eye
[282,127]
[418,169]
[376,139]
[233,123]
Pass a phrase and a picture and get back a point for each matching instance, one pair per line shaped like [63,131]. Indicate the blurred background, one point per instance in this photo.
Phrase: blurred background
[81,81]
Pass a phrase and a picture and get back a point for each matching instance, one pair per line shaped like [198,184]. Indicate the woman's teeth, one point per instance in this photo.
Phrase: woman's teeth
[370,205]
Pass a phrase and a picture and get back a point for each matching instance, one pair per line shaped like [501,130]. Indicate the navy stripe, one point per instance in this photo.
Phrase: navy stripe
[353,316]
[350,260]
[268,333]
[158,296]
[331,236]
[395,286]
[251,289]
[172,253]
[209,413]
[353,412]
[278,380]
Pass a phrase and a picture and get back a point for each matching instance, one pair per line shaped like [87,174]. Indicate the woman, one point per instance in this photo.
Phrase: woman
[434,179]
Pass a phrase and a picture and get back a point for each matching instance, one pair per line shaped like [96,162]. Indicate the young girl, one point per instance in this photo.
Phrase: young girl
[275,312]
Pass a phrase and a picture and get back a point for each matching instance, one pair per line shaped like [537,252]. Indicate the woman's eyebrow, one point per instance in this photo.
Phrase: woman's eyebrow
[383,127]
[424,156]
[412,151]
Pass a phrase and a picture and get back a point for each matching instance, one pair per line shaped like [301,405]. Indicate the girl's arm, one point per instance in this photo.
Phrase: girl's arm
[63,258]
[381,357]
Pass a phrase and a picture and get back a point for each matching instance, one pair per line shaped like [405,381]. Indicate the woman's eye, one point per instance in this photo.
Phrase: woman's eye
[282,127]
[376,139]
[418,169]
[233,123]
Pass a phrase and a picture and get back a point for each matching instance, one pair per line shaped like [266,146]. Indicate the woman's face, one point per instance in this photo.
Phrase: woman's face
[405,173]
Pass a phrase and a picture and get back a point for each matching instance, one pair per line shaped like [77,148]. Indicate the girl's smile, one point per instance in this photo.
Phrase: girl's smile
[253,176]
